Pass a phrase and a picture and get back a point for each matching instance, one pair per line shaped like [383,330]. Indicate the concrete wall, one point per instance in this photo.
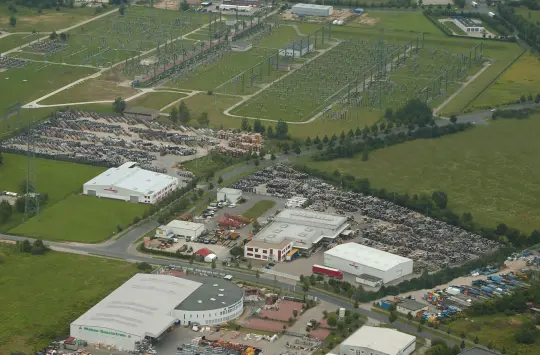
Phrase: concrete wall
[358,350]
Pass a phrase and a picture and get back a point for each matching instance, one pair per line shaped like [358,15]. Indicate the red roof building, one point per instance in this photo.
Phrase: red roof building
[204,252]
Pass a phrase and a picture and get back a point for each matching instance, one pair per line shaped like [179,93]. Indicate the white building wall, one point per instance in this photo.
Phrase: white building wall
[117,193]
[185,232]
[312,11]
[104,336]
[258,253]
[357,268]
[211,317]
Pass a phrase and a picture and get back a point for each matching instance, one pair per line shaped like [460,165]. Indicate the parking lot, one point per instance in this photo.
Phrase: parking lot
[112,140]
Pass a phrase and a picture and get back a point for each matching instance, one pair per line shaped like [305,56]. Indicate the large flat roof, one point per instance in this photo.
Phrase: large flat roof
[141,306]
[385,340]
[212,294]
[130,176]
[478,351]
[302,227]
[311,6]
[185,225]
[370,257]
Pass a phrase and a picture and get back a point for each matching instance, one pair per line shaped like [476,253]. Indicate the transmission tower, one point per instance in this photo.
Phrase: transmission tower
[31,201]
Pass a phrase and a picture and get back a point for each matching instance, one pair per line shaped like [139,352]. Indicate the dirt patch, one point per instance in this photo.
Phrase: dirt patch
[319,333]
[284,312]
[263,324]
[172,4]
[364,19]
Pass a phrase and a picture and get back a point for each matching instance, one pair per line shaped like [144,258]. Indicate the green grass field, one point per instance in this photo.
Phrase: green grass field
[399,21]
[57,179]
[49,20]
[259,209]
[455,28]
[498,329]
[488,171]
[156,100]
[522,78]
[91,90]
[46,293]
[12,41]
[529,15]
[27,83]
[81,219]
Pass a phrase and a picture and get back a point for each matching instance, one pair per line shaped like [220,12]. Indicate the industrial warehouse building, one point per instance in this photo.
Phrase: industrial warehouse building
[296,49]
[129,182]
[378,341]
[359,259]
[468,24]
[180,229]
[229,195]
[312,10]
[295,228]
[147,306]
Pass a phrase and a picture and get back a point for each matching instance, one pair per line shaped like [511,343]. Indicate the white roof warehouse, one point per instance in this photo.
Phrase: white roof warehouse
[359,259]
[380,341]
[129,182]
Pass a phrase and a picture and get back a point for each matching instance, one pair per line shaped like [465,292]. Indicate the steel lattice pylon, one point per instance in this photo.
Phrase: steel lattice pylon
[31,200]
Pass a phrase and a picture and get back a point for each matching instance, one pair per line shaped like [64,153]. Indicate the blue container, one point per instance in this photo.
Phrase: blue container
[385,305]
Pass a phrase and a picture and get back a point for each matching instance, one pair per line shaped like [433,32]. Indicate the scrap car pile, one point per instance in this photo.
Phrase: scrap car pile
[382,224]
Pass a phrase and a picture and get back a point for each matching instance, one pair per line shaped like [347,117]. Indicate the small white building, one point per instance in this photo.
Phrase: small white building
[228,194]
[296,49]
[260,250]
[181,229]
[241,46]
[378,341]
[468,24]
[129,182]
[312,10]
[357,259]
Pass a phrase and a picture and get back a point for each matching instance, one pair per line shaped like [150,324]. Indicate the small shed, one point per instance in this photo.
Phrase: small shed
[241,46]
[228,194]
[204,252]
[141,113]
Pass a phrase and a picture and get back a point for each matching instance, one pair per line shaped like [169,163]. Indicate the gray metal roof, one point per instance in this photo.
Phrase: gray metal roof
[141,306]
[387,341]
[411,305]
[213,293]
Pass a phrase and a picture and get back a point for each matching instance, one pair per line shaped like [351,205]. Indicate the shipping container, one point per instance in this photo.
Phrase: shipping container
[328,271]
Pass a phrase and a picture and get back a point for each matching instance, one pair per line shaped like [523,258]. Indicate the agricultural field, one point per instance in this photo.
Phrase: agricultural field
[29,20]
[488,171]
[91,90]
[522,78]
[81,219]
[499,330]
[62,287]
[156,100]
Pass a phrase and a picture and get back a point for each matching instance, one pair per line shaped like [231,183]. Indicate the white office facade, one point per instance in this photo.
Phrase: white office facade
[129,182]
[378,341]
[357,259]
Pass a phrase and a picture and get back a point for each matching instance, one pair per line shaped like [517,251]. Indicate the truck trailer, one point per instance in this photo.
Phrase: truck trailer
[328,271]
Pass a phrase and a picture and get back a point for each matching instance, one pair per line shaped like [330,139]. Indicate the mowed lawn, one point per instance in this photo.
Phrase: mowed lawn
[499,329]
[259,209]
[13,41]
[489,171]
[57,179]
[29,19]
[81,219]
[156,100]
[42,295]
[91,90]
[522,78]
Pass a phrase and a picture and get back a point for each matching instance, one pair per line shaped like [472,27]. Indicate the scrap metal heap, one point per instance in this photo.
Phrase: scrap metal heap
[383,224]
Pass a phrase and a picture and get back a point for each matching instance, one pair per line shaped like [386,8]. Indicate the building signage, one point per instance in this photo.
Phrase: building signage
[354,265]
[110,189]
[101,331]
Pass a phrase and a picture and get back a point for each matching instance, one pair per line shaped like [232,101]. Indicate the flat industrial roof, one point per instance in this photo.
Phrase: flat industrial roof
[212,294]
[302,227]
[411,305]
[141,306]
[370,257]
[130,176]
[384,340]
[185,225]
[228,190]
[311,6]
[264,245]
[478,351]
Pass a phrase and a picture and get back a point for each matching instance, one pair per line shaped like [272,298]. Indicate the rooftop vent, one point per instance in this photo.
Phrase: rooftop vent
[223,302]
[220,294]
[199,301]
[221,289]
[215,285]
[212,299]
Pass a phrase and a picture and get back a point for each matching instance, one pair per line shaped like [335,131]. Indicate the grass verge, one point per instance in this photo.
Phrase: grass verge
[259,209]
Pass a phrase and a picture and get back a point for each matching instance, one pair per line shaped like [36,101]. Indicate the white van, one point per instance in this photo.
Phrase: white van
[227,277]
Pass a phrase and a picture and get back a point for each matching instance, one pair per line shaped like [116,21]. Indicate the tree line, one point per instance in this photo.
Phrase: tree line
[279,131]
[529,31]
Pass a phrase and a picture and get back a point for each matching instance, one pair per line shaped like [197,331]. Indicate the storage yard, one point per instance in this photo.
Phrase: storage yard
[112,140]
[379,224]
